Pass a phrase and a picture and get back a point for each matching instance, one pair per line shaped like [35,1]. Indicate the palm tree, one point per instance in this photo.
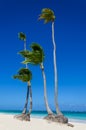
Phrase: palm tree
[25,75]
[36,57]
[22,37]
[48,16]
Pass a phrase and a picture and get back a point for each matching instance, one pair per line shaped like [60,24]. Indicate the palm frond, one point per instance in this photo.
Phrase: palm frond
[24,53]
[38,51]
[36,58]
[35,46]
[27,61]
[47,11]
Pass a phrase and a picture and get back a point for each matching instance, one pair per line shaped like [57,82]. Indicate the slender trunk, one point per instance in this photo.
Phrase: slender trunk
[45,91]
[25,50]
[27,96]
[26,103]
[30,93]
[55,72]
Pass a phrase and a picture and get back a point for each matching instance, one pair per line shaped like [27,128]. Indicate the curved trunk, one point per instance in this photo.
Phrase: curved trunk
[55,72]
[26,103]
[45,91]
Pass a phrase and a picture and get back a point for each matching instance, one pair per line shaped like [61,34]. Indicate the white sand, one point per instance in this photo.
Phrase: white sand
[8,122]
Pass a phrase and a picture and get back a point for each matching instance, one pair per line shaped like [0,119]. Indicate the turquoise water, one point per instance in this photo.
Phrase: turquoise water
[70,115]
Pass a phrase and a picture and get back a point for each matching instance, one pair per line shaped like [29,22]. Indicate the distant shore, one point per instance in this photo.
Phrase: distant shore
[72,115]
[8,122]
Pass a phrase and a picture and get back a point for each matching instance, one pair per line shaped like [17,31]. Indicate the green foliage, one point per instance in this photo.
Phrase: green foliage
[36,56]
[36,47]
[24,75]
[22,36]
[47,14]
[24,53]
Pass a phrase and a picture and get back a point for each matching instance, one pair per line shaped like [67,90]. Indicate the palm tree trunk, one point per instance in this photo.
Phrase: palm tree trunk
[55,72]
[27,117]
[25,50]
[26,103]
[30,93]
[27,96]
[45,91]
[30,108]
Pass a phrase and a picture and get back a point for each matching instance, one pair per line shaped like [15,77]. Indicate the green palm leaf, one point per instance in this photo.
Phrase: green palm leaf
[24,53]
[24,75]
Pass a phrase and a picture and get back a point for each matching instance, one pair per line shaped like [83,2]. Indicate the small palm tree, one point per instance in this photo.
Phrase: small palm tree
[22,36]
[36,57]
[25,75]
[48,16]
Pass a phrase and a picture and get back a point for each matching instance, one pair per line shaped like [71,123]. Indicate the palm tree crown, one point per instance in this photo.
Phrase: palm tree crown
[36,56]
[22,36]
[47,14]
[24,75]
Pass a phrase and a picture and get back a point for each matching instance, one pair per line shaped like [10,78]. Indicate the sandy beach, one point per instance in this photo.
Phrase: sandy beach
[8,122]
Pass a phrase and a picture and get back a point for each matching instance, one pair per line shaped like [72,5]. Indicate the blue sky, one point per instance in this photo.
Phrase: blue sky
[70,30]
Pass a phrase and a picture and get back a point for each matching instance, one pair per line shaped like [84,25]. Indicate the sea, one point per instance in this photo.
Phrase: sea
[72,116]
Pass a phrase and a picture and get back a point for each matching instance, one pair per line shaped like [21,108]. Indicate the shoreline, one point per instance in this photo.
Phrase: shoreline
[71,120]
[8,122]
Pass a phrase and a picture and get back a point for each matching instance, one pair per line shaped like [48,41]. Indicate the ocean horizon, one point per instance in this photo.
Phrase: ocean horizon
[70,114]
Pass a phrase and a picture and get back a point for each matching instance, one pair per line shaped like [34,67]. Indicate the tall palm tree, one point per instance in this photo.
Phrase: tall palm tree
[48,16]
[25,75]
[36,57]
